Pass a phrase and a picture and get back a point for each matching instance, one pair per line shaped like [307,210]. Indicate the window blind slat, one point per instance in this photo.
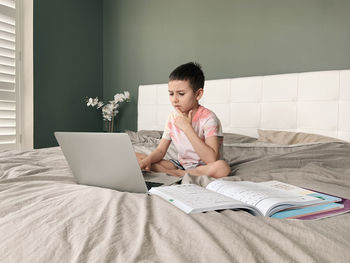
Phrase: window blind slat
[7,123]
[7,95]
[7,36]
[8,19]
[7,139]
[7,69]
[5,105]
[7,61]
[7,78]
[7,131]
[7,86]
[7,114]
[7,44]
[10,3]
[7,8]
[7,27]
[7,53]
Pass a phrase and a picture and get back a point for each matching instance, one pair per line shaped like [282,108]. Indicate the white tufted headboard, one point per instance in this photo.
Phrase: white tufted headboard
[314,102]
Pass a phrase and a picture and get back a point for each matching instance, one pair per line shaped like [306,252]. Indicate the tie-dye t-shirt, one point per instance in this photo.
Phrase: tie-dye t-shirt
[205,124]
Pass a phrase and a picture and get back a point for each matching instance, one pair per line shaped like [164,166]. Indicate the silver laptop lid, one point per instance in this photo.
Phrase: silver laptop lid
[102,159]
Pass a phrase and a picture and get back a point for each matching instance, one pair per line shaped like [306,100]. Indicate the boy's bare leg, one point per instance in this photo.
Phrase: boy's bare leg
[216,169]
[163,166]
[176,172]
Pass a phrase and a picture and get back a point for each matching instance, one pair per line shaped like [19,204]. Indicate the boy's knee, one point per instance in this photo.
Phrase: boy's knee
[220,169]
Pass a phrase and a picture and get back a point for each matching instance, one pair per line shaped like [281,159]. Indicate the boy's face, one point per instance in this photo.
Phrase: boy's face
[182,96]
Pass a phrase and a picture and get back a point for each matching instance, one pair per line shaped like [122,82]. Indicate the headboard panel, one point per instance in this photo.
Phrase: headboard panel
[314,102]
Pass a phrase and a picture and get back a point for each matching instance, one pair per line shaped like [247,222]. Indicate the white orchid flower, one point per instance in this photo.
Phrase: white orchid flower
[119,97]
[99,104]
[109,110]
[107,117]
[89,103]
[95,101]
[92,102]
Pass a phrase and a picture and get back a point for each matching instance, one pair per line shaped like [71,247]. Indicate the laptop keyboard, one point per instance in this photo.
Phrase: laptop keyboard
[152,184]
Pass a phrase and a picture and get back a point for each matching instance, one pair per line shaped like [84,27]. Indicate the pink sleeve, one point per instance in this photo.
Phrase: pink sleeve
[212,127]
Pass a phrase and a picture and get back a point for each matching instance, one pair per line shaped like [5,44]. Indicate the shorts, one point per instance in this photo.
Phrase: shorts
[178,165]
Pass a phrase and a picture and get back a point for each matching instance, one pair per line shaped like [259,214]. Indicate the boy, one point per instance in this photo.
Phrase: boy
[195,131]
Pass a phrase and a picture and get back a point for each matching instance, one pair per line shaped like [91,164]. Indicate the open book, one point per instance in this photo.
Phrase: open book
[256,198]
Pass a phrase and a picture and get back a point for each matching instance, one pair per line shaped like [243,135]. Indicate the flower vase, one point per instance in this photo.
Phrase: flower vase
[109,126]
[110,109]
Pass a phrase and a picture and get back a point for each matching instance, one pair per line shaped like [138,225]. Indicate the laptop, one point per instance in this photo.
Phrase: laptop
[108,160]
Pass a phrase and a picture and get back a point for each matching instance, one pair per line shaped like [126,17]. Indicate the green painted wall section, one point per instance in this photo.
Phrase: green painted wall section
[101,47]
[143,40]
[67,67]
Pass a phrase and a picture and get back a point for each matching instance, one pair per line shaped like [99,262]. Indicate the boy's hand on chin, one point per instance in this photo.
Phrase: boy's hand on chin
[183,121]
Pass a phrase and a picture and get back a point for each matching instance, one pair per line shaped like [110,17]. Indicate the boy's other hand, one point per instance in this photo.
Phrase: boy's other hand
[145,164]
[183,120]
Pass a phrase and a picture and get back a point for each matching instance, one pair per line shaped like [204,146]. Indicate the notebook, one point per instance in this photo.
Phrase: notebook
[107,160]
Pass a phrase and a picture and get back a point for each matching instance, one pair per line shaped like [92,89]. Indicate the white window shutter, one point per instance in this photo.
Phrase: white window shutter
[8,78]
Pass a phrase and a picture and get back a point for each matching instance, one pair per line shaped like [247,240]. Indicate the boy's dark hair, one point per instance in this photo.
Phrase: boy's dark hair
[190,71]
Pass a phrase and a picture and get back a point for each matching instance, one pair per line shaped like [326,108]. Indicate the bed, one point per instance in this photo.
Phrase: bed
[294,128]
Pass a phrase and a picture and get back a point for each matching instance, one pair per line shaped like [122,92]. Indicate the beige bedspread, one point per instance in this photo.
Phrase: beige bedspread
[46,217]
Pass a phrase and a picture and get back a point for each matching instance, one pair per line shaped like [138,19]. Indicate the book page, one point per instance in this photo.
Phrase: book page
[287,187]
[263,197]
[194,199]
[324,198]
[195,196]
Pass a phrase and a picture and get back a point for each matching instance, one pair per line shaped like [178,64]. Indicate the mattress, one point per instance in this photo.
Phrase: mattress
[45,216]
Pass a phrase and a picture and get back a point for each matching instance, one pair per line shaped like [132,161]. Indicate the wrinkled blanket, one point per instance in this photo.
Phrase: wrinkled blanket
[46,217]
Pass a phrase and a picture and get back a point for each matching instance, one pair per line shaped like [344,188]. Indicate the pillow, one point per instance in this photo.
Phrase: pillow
[145,141]
[288,138]
[144,135]
[153,135]
[230,138]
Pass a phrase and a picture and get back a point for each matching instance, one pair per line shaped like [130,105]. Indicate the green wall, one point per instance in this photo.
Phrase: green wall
[101,47]
[143,40]
[67,67]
